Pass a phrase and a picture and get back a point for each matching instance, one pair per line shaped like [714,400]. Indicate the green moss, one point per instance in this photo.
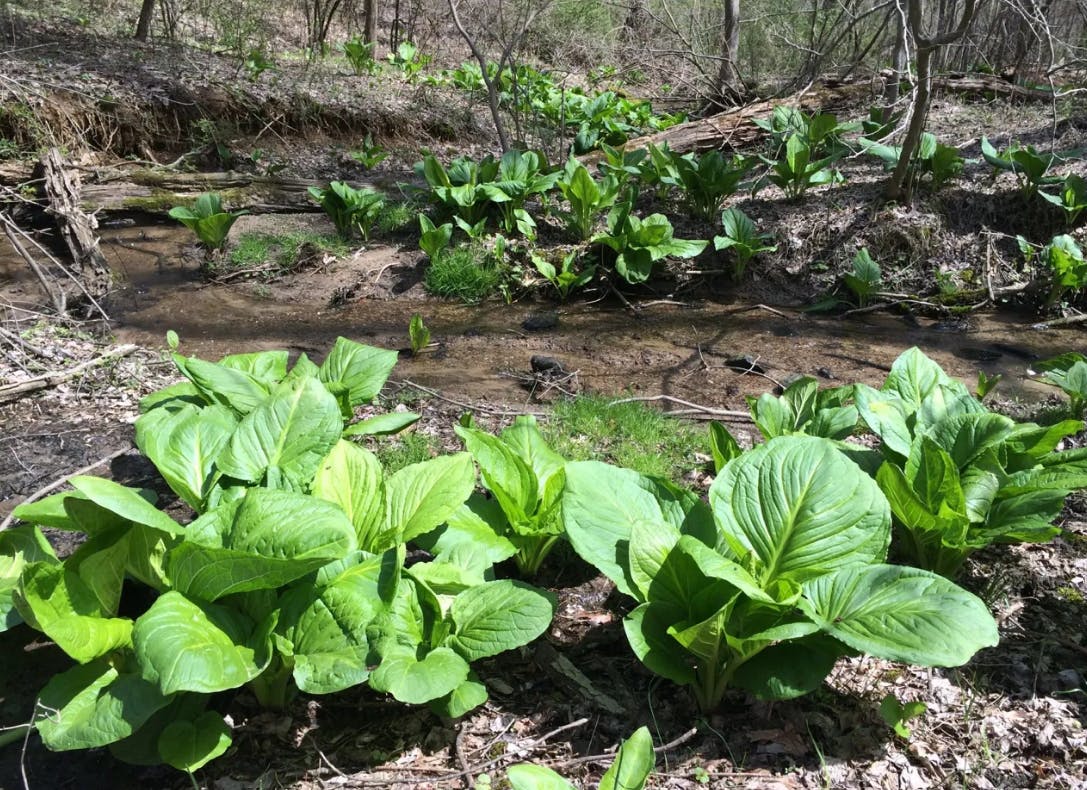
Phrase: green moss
[1070,594]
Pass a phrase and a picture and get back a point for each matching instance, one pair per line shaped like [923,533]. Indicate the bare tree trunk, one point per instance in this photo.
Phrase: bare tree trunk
[143,25]
[369,30]
[729,86]
[899,188]
[899,63]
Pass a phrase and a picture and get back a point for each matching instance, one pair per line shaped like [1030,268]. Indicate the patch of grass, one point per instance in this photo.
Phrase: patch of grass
[252,249]
[403,450]
[285,251]
[628,434]
[464,273]
[396,217]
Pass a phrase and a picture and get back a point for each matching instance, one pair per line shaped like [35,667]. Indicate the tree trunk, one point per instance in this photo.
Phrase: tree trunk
[899,187]
[899,63]
[143,25]
[369,32]
[729,86]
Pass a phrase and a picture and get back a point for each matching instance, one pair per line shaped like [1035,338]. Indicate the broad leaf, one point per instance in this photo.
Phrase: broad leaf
[362,369]
[268,539]
[190,745]
[184,645]
[93,705]
[351,477]
[422,496]
[498,616]
[901,614]
[290,432]
[417,680]
[801,508]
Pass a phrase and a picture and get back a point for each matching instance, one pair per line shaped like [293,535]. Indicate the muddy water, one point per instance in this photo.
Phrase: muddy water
[484,351]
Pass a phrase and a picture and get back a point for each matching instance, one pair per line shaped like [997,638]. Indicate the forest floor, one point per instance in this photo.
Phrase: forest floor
[1012,717]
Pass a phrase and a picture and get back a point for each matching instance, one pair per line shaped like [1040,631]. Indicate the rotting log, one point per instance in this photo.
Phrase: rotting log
[77,227]
[989,85]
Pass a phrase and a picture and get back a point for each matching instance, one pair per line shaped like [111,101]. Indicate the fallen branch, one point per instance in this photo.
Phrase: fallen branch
[62,480]
[742,415]
[52,379]
[1072,319]
[474,407]
[56,295]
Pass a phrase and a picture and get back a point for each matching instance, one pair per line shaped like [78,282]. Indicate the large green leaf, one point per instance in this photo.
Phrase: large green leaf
[416,680]
[422,496]
[789,669]
[19,546]
[227,386]
[267,367]
[498,616]
[647,631]
[290,432]
[505,474]
[967,436]
[327,629]
[547,465]
[466,697]
[361,369]
[527,776]
[184,445]
[128,503]
[189,745]
[55,600]
[801,508]
[351,476]
[264,541]
[93,705]
[902,614]
[599,507]
[186,645]
[886,415]
[478,525]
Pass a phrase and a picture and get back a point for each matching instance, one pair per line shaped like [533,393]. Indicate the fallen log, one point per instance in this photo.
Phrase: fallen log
[735,128]
[990,85]
[156,191]
[77,227]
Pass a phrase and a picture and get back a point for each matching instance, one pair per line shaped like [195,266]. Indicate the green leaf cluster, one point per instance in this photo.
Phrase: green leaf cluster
[640,243]
[526,479]
[742,237]
[290,577]
[959,477]
[932,158]
[207,219]
[349,209]
[1069,373]
[765,587]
